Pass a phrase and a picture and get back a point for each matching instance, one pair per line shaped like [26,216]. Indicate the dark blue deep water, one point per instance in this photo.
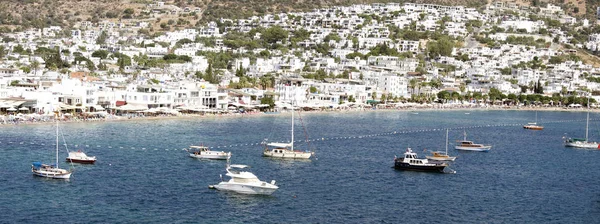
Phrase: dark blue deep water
[143,176]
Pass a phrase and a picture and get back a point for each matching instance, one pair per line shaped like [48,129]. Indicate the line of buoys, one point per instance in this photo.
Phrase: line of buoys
[320,139]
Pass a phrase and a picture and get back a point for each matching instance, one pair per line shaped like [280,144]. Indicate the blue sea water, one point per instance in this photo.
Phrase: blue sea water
[143,175]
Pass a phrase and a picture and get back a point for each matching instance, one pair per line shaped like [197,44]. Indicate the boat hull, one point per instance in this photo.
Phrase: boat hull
[400,165]
[50,174]
[450,158]
[475,149]
[288,155]
[215,157]
[82,161]
[533,127]
[263,189]
[585,145]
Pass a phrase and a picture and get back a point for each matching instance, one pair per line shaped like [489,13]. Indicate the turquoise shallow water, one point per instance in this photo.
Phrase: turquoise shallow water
[142,174]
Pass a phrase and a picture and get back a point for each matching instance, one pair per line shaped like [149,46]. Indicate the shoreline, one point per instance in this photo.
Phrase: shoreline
[114,118]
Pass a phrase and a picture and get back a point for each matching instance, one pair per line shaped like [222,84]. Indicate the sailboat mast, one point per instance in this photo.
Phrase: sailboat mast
[292,125]
[446,141]
[56,117]
[587,120]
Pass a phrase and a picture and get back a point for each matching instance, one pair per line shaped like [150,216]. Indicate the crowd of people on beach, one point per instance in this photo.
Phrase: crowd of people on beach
[15,119]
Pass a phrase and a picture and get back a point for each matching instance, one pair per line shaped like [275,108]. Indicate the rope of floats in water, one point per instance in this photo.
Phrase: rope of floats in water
[301,141]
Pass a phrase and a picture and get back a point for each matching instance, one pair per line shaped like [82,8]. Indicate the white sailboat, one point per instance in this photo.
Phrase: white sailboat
[51,171]
[285,150]
[533,125]
[442,156]
[583,142]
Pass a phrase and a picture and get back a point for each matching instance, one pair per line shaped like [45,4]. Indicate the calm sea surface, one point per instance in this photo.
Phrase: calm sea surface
[143,175]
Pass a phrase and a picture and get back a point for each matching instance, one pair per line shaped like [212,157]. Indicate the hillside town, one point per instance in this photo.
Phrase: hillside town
[360,56]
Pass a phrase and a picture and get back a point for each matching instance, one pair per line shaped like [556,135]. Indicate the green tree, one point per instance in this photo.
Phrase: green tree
[268,100]
[102,38]
[240,72]
[442,47]
[274,34]
[122,59]
[141,60]
[266,81]
[383,98]
[34,65]
[53,61]
[2,51]
[103,54]
[443,95]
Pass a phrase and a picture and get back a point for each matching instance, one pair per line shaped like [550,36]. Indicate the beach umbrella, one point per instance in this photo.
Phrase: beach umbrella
[11,109]
[24,108]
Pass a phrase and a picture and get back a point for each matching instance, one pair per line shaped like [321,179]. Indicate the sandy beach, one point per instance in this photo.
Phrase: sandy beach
[5,121]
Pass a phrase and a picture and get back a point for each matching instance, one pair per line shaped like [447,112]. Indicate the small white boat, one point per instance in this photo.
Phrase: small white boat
[202,152]
[440,156]
[80,157]
[244,182]
[470,146]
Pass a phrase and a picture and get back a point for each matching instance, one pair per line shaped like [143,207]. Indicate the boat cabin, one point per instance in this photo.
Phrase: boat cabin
[466,143]
[576,140]
[198,149]
[278,150]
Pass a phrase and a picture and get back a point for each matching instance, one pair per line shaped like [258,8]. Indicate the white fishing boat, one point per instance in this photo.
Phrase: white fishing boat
[202,152]
[244,182]
[51,171]
[80,157]
[441,156]
[285,150]
[470,146]
[583,142]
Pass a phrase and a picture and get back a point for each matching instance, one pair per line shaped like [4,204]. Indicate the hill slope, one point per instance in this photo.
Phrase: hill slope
[41,13]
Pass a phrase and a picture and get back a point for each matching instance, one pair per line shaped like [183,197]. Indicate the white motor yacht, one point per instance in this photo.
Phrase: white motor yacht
[470,146]
[80,157]
[244,182]
[411,162]
[202,152]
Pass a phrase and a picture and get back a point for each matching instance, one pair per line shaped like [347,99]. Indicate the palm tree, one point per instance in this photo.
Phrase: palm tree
[34,66]
[412,83]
